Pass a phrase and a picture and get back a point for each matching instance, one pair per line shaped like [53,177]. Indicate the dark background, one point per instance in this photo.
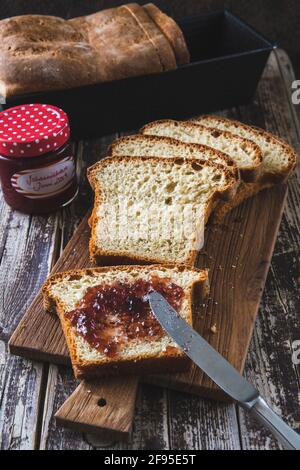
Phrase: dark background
[277,19]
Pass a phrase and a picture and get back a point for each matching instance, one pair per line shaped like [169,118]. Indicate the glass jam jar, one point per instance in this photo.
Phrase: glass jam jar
[37,168]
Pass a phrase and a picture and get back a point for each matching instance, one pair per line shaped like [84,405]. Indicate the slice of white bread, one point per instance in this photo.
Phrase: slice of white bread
[279,160]
[142,347]
[172,32]
[140,145]
[153,210]
[244,152]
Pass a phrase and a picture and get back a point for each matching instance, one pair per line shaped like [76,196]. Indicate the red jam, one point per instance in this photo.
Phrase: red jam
[37,168]
[110,315]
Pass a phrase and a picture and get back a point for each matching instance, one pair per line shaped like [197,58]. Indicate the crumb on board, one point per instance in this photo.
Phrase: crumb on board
[213,328]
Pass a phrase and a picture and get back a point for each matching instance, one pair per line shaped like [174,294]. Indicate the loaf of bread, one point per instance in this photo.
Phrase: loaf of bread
[245,153]
[278,159]
[107,322]
[39,53]
[153,210]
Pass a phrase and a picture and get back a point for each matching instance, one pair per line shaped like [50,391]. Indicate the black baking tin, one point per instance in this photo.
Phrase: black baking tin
[227,60]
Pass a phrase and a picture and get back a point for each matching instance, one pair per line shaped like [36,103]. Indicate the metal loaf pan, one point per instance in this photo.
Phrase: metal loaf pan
[227,60]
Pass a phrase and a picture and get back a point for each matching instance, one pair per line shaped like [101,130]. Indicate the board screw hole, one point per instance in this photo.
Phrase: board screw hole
[101,402]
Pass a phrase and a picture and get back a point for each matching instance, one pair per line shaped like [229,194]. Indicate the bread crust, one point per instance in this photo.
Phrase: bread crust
[228,161]
[171,360]
[39,52]
[106,257]
[123,48]
[172,32]
[265,177]
[247,173]
[147,365]
[156,38]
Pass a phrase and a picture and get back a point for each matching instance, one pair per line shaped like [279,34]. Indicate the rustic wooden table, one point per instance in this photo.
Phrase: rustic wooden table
[31,392]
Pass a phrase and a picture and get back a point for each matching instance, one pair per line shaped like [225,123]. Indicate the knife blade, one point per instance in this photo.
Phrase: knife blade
[220,370]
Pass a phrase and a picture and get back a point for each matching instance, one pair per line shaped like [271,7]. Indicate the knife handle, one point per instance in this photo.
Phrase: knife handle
[284,433]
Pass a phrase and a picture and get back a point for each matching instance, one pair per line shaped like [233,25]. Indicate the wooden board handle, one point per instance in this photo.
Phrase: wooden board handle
[101,405]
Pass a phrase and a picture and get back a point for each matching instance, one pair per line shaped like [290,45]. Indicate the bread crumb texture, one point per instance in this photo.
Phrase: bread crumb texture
[244,152]
[154,208]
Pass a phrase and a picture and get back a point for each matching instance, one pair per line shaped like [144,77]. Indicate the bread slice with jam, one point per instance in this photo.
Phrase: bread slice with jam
[107,321]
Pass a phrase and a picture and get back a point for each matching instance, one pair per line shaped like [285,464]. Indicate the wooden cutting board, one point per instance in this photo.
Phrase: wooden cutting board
[237,253]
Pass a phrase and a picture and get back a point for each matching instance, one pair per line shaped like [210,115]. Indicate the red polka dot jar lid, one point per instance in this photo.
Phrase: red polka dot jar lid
[30,130]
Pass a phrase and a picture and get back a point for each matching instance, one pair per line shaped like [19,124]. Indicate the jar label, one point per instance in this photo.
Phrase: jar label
[45,181]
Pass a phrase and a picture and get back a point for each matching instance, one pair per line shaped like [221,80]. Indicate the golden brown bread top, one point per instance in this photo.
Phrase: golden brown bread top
[44,52]
[40,52]
[122,45]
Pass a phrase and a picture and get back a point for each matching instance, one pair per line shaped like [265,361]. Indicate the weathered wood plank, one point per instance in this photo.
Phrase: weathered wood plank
[60,385]
[196,424]
[20,387]
[24,265]
[289,77]
[269,364]
[26,246]
[172,420]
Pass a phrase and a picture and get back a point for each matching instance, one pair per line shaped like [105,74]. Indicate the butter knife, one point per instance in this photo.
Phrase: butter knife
[220,371]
